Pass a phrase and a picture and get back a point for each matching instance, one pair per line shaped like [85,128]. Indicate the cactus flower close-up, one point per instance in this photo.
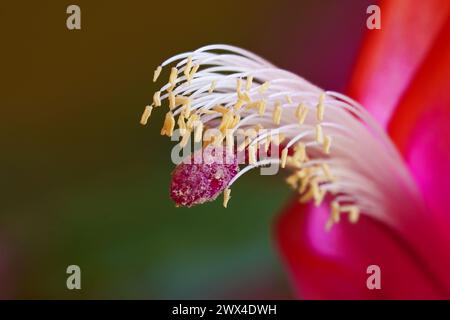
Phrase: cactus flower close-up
[368,167]
[226,159]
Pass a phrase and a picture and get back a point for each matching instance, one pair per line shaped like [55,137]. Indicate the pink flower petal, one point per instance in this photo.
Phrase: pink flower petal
[421,129]
[389,57]
[414,263]
[333,265]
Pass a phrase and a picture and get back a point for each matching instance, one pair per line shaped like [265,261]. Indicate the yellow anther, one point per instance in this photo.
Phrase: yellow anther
[146,115]
[187,110]
[157,73]
[301,112]
[303,173]
[169,125]
[206,111]
[226,196]
[277,113]
[252,105]
[157,99]
[244,97]
[289,99]
[302,118]
[264,87]
[292,180]
[319,133]
[320,107]
[227,119]
[193,71]
[186,102]
[327,144]
[235,121]
[319,196]
[258,127]
[238,85]
[198,132]
[300,152]
[262,107]
[238,105]
[317,193]
[187,69]
[214,138]
[179,100]
[213,86]
[221,109]
[307,196]
[305,182]
[335,212]
[173,76]
[248,85]
[172,103]
[291,162]
[284,155]
[192,119]
[353,213]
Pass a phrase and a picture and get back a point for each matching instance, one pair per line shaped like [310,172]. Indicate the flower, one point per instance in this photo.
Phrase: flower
[402,77]
[339,157]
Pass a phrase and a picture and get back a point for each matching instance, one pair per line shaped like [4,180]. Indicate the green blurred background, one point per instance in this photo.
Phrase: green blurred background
[83,183]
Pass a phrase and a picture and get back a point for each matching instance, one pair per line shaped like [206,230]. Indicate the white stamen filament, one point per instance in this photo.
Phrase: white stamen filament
[348,155]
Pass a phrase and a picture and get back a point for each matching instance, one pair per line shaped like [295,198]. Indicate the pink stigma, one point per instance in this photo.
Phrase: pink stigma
[196,183]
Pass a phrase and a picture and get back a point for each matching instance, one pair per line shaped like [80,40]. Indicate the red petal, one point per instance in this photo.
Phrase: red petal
[421,130]
[333,265]
[389,57]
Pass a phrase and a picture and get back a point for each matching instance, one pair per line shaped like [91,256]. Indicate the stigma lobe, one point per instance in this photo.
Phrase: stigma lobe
[202,178]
